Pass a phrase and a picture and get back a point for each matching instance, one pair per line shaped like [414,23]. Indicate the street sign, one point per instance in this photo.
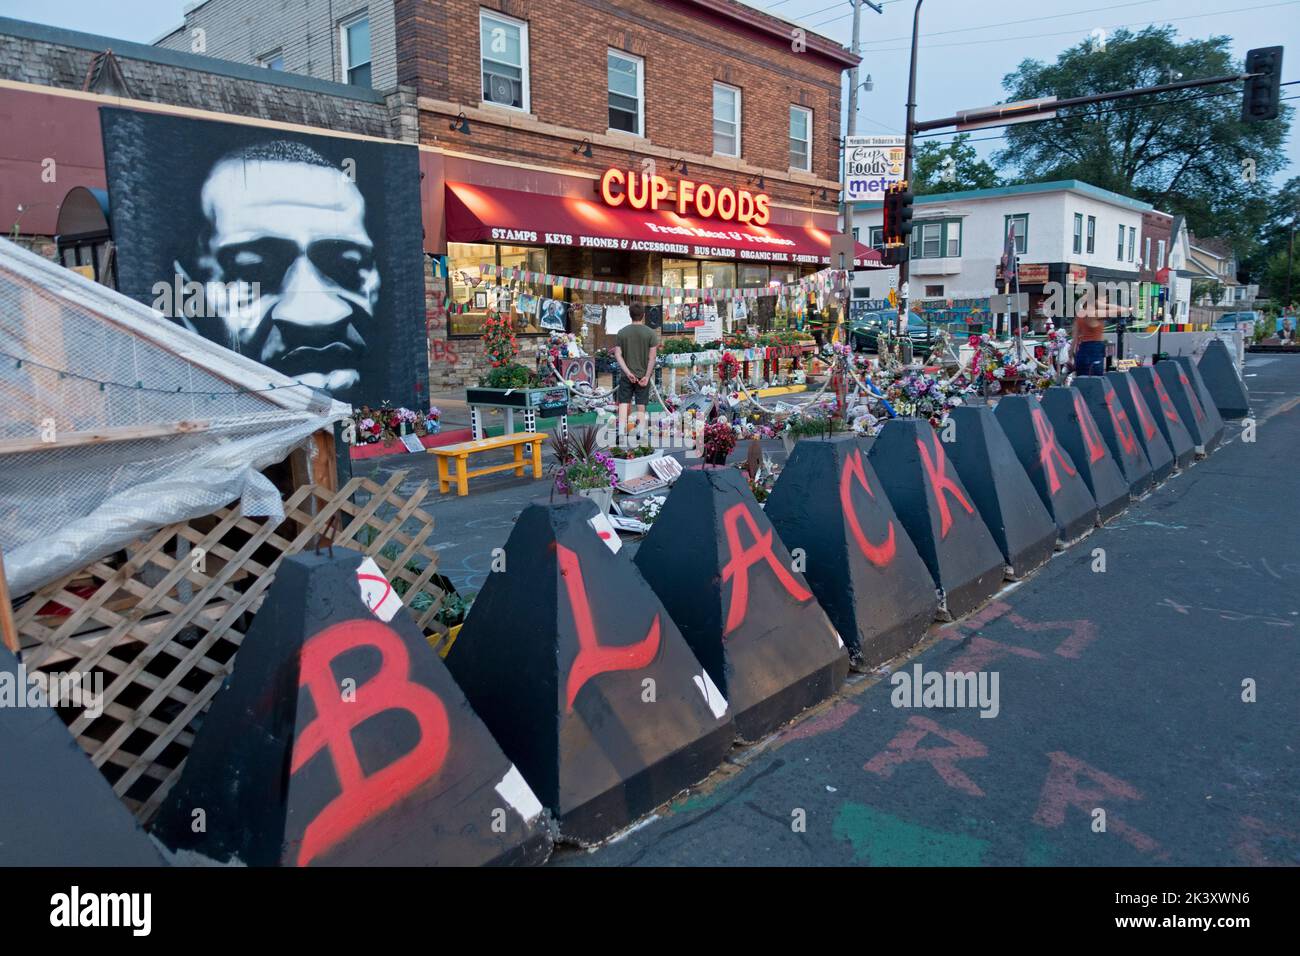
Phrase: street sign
[1015,302]
[1004,114]
[871,165]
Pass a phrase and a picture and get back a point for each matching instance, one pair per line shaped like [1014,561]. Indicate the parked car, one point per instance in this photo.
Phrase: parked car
[865,334]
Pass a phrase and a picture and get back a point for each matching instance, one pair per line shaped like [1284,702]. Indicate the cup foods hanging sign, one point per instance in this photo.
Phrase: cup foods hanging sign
[871,164]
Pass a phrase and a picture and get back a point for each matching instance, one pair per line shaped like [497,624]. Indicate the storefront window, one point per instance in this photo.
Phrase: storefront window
[470,288]
[718,275]
[762,309]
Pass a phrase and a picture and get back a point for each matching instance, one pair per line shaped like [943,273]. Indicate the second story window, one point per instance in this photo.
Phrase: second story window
[1119,251]
[1160,254]
[626,102]
[726,120]
[1078,233]
[503,45]
[356,51]
[1092,234]
[1020,222]
[800,138]
[877,237]
[1132,241]
[272,61]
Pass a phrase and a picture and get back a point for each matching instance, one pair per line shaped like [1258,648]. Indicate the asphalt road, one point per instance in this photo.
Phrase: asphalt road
[1119,691]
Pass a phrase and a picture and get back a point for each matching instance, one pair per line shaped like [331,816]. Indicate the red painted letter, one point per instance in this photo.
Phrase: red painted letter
[1050,455]
[1119,418]
[593,657]
[1096,450]
[878,554]
[361,797]
[942,486]
[742,558]
[903,749]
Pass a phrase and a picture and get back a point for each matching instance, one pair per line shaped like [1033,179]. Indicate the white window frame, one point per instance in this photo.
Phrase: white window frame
[269,57]
[1146,254]
[640,90]
[739,114]
[877,237]
[1160,256]
[808,143]
[1076,242]
[1092,235]
[345,48]
[500,19]
[1119,256]
[1132,241]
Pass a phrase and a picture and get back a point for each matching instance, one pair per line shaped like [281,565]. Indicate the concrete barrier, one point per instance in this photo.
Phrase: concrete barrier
[987,465]
[1152,440]
[1223,381]
[58,808]
[1161,406]
[937,511]
[350,743]
[861,564]
[583,678]
[1191,377]
[1079,435]
[740,601]
[1174,379]
[1051,471]
[1117,431]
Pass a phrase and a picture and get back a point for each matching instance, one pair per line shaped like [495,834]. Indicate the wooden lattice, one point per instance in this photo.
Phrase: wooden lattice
[163,626]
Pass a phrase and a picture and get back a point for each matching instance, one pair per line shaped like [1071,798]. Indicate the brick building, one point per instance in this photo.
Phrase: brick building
[520,109]
[523,105]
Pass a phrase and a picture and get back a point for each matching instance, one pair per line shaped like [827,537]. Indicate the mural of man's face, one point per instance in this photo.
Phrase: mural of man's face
[298,231]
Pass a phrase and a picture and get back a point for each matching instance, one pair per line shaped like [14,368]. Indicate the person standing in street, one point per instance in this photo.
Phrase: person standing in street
[635,351]
[1089,343]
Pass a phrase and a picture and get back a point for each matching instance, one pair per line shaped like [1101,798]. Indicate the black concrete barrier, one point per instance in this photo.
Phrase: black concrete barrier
[1081,438]
[1051,470]
[1153,442]
[987,465]
[1223,381]
[1161,406]
[1174,378]
[584,679]
[861,564]
[731,586]
[340,739]
[939,515]
[58,809]
[1191,377]
[1118,432]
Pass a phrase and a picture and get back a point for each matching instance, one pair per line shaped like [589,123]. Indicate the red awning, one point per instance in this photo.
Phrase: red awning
[489,214]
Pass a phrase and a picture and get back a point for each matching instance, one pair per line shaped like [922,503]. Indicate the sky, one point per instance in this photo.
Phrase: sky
[966,46]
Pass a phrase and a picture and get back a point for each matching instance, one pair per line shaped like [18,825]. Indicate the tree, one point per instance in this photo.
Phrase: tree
[950,167]
[1184,151]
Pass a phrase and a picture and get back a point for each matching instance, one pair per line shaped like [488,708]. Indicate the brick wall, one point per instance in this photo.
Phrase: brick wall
[683,54]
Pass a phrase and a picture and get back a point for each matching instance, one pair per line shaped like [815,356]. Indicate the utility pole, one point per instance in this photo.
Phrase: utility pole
[853,73]
[904,293]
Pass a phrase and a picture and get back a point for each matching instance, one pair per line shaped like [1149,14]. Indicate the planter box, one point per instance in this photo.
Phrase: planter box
[629,468]
[542,399]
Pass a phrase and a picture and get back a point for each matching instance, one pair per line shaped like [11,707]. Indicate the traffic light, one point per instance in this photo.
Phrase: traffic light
[1261,95]
[893,255]
[898,213]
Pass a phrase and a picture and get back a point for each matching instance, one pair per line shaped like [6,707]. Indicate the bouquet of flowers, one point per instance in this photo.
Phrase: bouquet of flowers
[433,420]
[916,394]
[498,337]
[719,440]
[728,367]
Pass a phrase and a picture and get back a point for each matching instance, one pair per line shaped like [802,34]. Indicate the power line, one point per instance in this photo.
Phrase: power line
[1113,26]
[989,26]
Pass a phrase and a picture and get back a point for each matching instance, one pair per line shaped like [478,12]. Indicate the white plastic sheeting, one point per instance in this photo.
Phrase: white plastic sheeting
[114,421]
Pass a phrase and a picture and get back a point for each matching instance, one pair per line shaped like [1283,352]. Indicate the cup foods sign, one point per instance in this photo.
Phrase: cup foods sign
[871,164]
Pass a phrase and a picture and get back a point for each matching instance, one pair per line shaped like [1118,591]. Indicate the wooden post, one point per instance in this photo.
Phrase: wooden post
[8,629]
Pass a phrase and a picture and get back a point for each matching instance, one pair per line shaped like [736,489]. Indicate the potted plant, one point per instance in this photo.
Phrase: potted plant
[580,468]
[632,463]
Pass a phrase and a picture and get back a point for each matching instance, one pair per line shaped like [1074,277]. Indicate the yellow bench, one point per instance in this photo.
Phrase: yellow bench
[461,452]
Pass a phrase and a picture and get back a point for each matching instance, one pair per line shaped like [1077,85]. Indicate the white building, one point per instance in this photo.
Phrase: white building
[1067,232]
